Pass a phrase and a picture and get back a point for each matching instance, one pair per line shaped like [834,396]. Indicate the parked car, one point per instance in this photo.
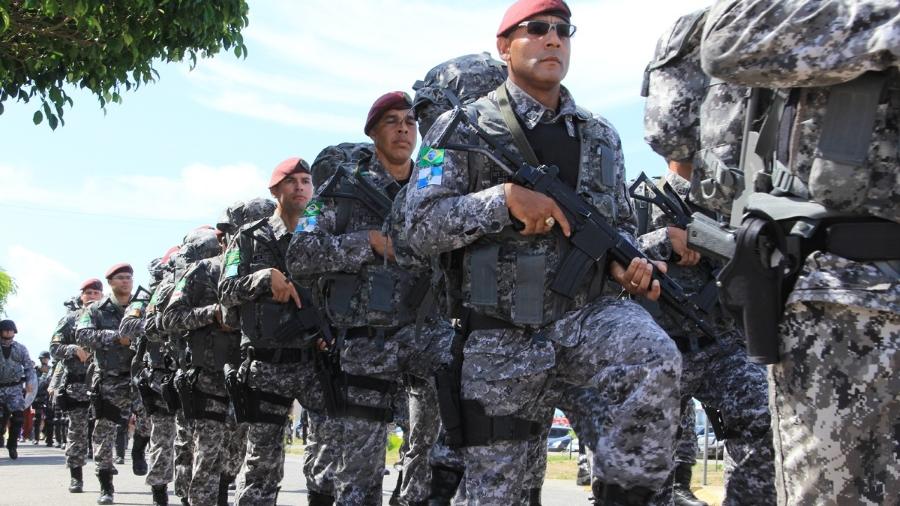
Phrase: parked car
[560,438]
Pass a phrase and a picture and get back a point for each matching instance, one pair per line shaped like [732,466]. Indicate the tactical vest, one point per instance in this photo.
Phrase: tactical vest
[11,371]
[116,359]
[156,356]
[72,364]
[389,293]
[507,275]
[263,320]
[211,348]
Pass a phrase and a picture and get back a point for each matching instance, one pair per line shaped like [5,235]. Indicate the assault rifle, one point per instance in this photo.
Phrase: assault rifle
[704,234]
[593,240]
[345,184]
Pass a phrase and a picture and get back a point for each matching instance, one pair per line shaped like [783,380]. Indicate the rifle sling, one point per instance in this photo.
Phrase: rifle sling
[518,135]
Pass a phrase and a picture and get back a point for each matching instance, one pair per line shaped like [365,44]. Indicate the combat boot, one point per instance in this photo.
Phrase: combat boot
[681,492]
[614,495]
[77,482]
[106,487]
[534,497]
[318,499]
[160,495]
[138,451]
[224,482]
[12,438]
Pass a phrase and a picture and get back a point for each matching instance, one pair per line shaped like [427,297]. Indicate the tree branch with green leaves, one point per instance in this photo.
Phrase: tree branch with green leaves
[105,46]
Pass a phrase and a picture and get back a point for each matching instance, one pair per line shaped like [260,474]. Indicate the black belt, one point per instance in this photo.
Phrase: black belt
[481,429]
[14,383]
[284,355]
[865,241]
[473,321]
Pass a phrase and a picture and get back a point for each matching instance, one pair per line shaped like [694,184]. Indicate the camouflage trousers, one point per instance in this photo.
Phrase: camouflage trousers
[161,425]
[835,403]
[263,466]
[161,450]
[610,346]
[210,455]
[11,398]
[77,440]
[686,446]
[318,456]
[183,455]
[142,422]
[721,377]
[115,390]
[236,447]
[424,423]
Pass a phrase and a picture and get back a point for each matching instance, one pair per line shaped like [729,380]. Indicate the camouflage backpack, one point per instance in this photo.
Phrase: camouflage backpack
[470,77]
[332,157]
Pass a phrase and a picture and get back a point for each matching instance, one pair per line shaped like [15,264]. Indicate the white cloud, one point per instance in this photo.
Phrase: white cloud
[36,307]
[198,192]
[309,58]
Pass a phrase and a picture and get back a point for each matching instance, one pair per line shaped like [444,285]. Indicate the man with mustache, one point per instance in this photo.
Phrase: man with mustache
[525,345]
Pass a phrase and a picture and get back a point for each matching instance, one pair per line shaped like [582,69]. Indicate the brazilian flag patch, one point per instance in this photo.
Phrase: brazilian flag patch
[310,217]
[430,157]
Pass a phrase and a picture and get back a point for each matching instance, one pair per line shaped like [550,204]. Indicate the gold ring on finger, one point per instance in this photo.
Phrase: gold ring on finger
[549,221]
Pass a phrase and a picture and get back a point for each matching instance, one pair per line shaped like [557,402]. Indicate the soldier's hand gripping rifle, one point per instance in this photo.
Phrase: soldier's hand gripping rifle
[593,240]
[704,234]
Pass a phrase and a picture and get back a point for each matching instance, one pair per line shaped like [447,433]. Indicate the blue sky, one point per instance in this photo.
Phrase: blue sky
[127,184]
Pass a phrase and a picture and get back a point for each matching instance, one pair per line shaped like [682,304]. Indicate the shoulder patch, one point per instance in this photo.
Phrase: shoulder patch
[310,217]
[85,319]
[179,287]
[431,167]
[430,157]
[232,260]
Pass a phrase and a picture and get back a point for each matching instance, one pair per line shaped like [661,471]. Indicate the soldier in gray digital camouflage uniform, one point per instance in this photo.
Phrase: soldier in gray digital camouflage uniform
[834,387]
[345,247]
[213,340]
[278,343]
[72,390]
[152,366]
[519,330]
[468,77]
[693,121]
[97,330]
[16,368]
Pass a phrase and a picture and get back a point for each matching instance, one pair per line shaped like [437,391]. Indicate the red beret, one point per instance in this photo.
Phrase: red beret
[385,103]
[524,9]
[92,284]
[168,254]
[286,168]
[115,269]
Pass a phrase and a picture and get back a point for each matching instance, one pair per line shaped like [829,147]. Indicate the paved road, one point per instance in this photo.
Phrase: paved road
[39,476]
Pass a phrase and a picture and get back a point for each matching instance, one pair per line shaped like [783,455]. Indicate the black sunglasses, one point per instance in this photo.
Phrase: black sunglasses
[540,28]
